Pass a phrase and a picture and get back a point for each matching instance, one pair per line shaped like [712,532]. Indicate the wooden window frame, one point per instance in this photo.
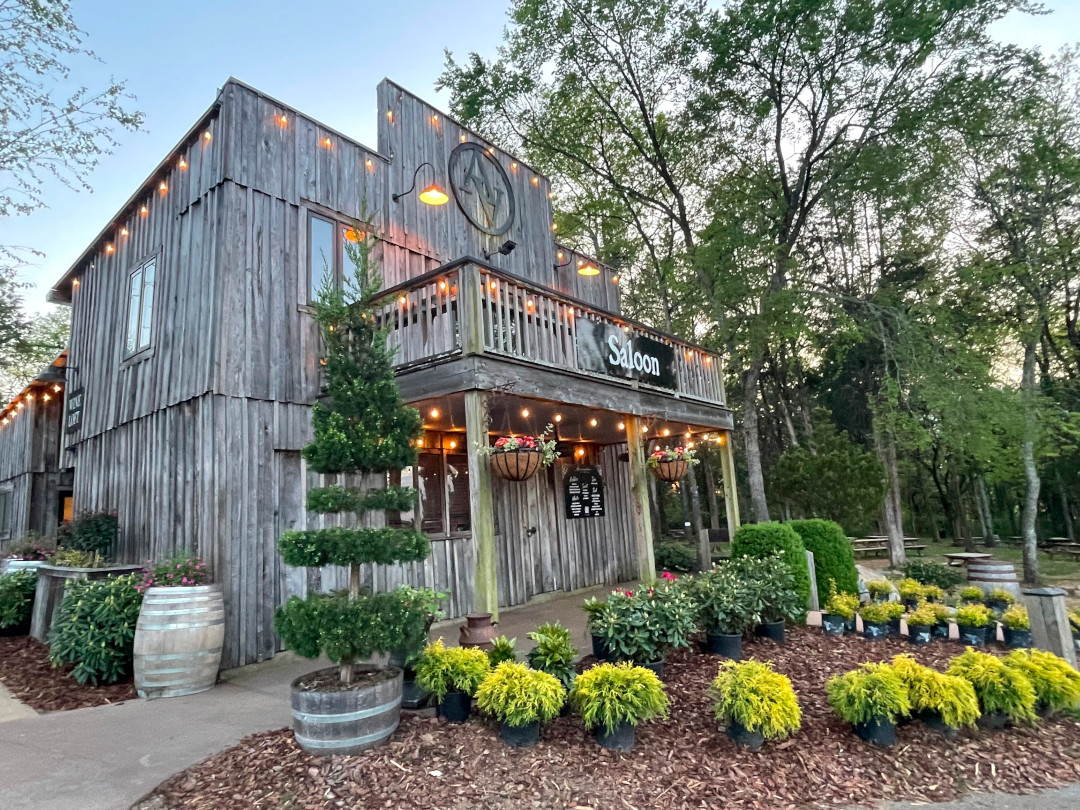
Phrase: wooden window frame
[7,501]
[340,226]
[140,351]
[418,518]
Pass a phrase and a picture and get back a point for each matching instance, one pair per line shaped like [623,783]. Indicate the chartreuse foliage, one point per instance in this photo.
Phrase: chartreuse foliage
[765,539]
[17,597]
[881,612]
[1016,618]
[879,588]
[95,629]
[834,559]
[972,593]
[1057,685]
[844,605]
[757,697]
[923,616]
[999,687]
[949,696]
[518,695]
[361,428]
[909,588]
[933,573]
[871,691]
[443,669]
[610,694]
[974,616]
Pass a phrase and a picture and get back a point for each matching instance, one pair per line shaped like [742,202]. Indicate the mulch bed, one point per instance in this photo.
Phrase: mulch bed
[684,762]
[27,673]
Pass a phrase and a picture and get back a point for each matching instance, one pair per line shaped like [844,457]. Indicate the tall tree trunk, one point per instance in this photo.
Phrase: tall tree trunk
[892,504]
[658,508]
[1066,513]
[959,526]
[701,538]
[753,441]
[1031,472]
[986,516]
[710,493]
[345,671]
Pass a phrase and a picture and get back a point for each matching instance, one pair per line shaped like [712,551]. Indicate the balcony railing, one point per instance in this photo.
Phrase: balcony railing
[468,308]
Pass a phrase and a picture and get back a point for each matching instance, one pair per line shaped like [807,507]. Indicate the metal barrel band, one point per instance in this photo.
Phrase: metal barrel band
[179,626]
[361,740]
[304,717]
[178,656]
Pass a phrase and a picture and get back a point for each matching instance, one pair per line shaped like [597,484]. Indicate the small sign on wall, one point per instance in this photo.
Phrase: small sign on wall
[584,489]
[73,413]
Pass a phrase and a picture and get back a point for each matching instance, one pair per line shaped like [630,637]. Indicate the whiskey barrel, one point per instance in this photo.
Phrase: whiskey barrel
[178,640]
[990,574]
[346,722]
[516,465]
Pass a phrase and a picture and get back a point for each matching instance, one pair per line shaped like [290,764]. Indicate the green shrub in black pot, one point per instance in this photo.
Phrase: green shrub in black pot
[973,622]
[1016,627]
[945,703]
[613,699]
[554,653]
[768,539]
[838,613]
[920,624]
[17,601]
[452,675]
[728,605]
[520,698]
[877,617]
[777,593]
[95,629]
[871,698]
[755,703]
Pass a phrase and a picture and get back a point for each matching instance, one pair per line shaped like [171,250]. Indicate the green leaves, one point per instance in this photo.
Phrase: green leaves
[442,669]
[95,629]
[609,694]
[341,546]
[871,691]
[999,687]
[762,541]
[518,695]
[760,699]
[17,597]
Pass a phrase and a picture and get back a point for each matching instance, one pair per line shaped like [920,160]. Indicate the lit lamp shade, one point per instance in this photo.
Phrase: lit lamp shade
[433,195]
[588,270]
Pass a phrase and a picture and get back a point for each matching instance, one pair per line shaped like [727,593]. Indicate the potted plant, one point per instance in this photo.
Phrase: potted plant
[30,552]
[943,619]
[945,703]
[17,601]
[755,703]
[728,606]
[362,432]
[880,590]
[554,653]
[595,618]
[517,458]
[643,626]
[613,699]
[877,616]
[871,698]
[776,593]
[972,622]
[998,600]
[932,593]
[427,601]
[95,629]
[671,465]
[920,623]
[1005,693]
[502,649]
[910,591]
[181,628]
[838,616]
[1056,684]
[452,675]
[971,595]
[521,699]
[1016,627]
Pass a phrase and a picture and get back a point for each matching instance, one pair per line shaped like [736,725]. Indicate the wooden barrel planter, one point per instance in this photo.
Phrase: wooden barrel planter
[516,465]
[347,722]
[178,640]
[11,566]
[52,581]
[671,471]
[990,574]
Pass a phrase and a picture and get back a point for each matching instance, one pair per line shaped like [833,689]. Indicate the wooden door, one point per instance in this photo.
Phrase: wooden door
[529,551]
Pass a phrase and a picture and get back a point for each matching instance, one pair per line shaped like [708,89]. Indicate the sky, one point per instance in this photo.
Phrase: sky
[323,57]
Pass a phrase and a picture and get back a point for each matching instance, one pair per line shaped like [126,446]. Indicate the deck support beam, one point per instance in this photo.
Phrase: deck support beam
[641,516]
[731,496]
[481,511]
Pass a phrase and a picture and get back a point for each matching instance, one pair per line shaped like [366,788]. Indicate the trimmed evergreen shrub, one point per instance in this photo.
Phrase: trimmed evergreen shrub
[764,539]
[95,629]
[17,597]
[674,556]
[834,559]
[932,573]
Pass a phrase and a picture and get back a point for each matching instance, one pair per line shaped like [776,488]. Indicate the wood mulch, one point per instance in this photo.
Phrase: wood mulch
[27,673]
[684,762]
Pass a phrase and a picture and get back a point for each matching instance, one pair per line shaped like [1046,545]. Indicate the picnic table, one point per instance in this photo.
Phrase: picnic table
[1065,550]
[879,546]
[963,557]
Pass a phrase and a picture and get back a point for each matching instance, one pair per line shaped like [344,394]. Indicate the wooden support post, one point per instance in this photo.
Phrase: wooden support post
[731,496]
[471,311]
[815,601]
[1050,628]
[486,597]
[639,484]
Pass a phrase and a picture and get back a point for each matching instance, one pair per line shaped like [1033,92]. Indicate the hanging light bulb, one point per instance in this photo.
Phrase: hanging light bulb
[665,432]
[434,413]
[525,413]
[621,426]
[557,417]
[593,422]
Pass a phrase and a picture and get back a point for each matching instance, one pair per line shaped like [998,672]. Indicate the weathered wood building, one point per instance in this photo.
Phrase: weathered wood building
[196,358]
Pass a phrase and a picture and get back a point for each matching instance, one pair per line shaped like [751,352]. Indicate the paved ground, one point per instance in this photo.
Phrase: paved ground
[108,757]
[1050,800]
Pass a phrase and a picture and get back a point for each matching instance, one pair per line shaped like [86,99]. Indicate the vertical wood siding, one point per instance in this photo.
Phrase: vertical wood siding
[29,451]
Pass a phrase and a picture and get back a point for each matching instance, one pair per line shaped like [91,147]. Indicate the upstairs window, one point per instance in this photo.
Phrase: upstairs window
[5,512]
[140,307]
[327,255]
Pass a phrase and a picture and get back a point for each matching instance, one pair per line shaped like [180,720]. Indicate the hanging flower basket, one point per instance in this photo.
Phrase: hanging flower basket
[671,465]
[517,458]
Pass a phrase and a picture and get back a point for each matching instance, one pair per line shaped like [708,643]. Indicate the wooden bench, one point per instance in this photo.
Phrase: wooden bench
[876,548]
[1072,551]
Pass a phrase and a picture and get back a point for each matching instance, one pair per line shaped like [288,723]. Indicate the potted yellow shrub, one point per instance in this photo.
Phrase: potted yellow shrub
[755,703]
[943,702]
[613,699]
[521,699]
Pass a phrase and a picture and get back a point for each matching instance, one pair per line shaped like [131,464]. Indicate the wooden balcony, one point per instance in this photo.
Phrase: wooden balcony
[471,309]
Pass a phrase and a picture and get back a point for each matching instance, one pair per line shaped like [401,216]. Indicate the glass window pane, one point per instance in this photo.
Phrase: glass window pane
[147,304]
[457,489]
[321,258]
[134,297]
[430,483]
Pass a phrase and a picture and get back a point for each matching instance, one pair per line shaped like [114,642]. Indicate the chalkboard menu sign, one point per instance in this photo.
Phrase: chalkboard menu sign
[584,493]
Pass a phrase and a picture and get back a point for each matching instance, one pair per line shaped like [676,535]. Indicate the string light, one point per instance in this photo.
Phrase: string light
[644,429]
[557,417]
[536,181]
[453,444]
[493,285]
[163,187]
[621,426]
[529,303]
[123,231]
[708,360]
[45,397]
[75,282]
[109,248]
[513,165]
[369,163]
[390,115]
[56,389]
[665,432]
[183,164]
[207,136]
[435,120]
[143,211]
[687,434]
[463,137]
[442,285]
[593,422]
[283,120]
[434,413]
[525,413]
[580,452]
[327,142]
[403,300]
[420,442]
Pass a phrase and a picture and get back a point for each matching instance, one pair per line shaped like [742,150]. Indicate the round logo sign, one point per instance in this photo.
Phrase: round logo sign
[482,189]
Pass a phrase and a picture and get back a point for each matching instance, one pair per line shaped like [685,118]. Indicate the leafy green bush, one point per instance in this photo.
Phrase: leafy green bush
[974,616]
[554,652]
[502,649]
[879,589]
[834,559]
[728,603]
[871,691]
[757,697]
[443,669]
[950,697]
[1057,685]
[1000,688]
[1016,618]
[932,573]
[517,695]
[95,629]
[909,588]
[17,597]
[765,539]
[610,694]
[93,532]
[643,626]
[881,612]
[675,556]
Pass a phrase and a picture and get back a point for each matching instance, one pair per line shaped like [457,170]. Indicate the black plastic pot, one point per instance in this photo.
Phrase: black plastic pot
[940,630]
[655,667]
[993,720]
[911,604]
[878,731]
[875,632]
[741,735]
[933,720]
[729,646]
[972,636]
[600,648]
[849,626]
[455,707]
[1016,639]
[771,630]
[520,736]
[894,628]
[621,738]
[413,696]
[918,634]
[998,607]
[832,625]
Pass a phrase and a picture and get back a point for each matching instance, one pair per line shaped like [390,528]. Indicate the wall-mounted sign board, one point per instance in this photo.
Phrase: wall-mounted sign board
[605,348]
[584,490]
[73,412]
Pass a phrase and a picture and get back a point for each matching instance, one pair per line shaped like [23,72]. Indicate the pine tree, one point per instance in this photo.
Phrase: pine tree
[361,428]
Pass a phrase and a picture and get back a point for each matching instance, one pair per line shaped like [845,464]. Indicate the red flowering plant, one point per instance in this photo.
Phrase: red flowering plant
[180,571]
[511,444]
[644,625]
[668,454]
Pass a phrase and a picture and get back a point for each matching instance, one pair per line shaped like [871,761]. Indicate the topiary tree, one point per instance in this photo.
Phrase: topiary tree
[764,539]
[834,560]
[361,428]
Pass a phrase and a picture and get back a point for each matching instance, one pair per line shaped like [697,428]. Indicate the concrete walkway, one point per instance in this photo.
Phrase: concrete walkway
[109,757]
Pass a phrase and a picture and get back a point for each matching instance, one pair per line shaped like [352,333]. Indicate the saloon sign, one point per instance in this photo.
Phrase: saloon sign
[607,349]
